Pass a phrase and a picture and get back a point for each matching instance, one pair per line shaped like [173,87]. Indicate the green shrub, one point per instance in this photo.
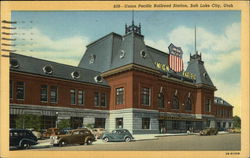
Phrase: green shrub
[28,121]
[63,123]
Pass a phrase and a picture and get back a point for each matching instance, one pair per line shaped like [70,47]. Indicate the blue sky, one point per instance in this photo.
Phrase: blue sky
[62,36]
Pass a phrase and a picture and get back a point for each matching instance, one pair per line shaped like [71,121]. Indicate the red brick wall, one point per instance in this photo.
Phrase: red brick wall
[225,108]
[32,91]
[133,81]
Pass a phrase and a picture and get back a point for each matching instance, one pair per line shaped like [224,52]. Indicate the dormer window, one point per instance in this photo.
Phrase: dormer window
[122,54]
[48,69]
[75,75]
[92,58]
[98,78]
[205,75]
[143,54]
[14,63]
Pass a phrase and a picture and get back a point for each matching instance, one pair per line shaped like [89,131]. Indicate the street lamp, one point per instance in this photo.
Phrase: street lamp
[56,118]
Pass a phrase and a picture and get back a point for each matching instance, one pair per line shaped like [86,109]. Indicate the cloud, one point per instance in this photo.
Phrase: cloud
[33,42]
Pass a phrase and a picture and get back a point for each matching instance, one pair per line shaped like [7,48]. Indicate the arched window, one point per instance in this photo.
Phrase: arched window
[175,104]
[188,104]
[161,100]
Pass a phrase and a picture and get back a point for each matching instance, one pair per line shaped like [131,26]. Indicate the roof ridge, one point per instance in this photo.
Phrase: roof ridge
[44,60]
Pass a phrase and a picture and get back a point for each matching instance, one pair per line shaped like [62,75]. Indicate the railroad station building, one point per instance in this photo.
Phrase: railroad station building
[120,82]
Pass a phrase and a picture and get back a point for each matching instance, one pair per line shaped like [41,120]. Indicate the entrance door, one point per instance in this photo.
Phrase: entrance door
[119,123]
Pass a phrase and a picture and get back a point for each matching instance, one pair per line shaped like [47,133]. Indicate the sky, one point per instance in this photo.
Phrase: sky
[62,36]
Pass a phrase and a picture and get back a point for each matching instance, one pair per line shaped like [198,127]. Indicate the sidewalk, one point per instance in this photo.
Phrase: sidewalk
[137,137]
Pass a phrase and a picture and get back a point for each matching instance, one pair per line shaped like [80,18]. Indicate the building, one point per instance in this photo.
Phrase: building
[120,82]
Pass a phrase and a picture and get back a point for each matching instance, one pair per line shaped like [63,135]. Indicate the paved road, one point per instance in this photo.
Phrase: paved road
[191,142]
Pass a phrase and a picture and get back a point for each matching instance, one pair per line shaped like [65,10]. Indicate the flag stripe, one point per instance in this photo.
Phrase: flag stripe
[175,63]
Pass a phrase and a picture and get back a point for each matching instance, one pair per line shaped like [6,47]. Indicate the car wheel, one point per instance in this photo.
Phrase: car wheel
[89,142]
[106,139]
[25,145]
[62,143]
[127,139]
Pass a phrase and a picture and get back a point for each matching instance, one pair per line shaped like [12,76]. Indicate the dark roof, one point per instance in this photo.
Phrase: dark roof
[220,101]
[109,49]
[35,66]
[196,66]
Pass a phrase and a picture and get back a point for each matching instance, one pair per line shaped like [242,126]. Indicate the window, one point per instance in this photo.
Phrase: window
[161,100]
[103,99]
[44,93]
[11,89]
[20,90]
[145,123]
[119,96]
[119,123]
[96,99]
[208,105]
[53,94]
[145,95]
[80,97]
[99,123]
[188,104]
[175,124]
[175,104]
[72,97]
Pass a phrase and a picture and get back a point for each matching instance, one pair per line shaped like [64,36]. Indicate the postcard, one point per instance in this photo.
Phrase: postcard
[124,79]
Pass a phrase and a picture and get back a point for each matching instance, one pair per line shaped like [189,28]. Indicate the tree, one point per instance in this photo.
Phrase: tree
[237,121]
[63,124]
[28,121]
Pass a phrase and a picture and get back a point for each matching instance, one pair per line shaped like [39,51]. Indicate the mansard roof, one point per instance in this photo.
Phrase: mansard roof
[221,102]
[31,65]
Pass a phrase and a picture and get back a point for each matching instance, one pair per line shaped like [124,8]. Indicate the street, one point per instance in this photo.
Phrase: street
[189,142]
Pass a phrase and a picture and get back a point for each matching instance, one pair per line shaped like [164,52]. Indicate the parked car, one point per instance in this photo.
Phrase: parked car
[50,132]
[36,133]
[234,130]
[98,132]
[118,135]
[76,136]
[22,138]
[209,131]
[65,131]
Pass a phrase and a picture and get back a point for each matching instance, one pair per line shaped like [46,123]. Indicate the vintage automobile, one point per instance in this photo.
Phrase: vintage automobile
[234,130]
[50,132]
[209,131]
[22,138]
[98,132]
[118,135]
[76,136]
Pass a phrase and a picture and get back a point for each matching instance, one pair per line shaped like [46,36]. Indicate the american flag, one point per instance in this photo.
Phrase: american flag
[175,58]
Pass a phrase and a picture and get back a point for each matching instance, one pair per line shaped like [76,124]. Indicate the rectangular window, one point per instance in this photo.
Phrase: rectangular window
[96,99]
[160,100]
[175,124]
[11,89]
[20,90]
[80,97]
[72,97]
[99,123]
[103,99]
[145,95]
[53,94]
[145,123]
[119,96]
[44,93]
[208,105]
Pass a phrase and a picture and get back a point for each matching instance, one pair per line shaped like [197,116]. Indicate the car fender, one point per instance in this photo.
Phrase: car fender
[127,136]
[29,140]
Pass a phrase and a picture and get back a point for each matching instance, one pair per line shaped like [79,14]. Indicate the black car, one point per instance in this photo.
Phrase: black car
[22,138]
